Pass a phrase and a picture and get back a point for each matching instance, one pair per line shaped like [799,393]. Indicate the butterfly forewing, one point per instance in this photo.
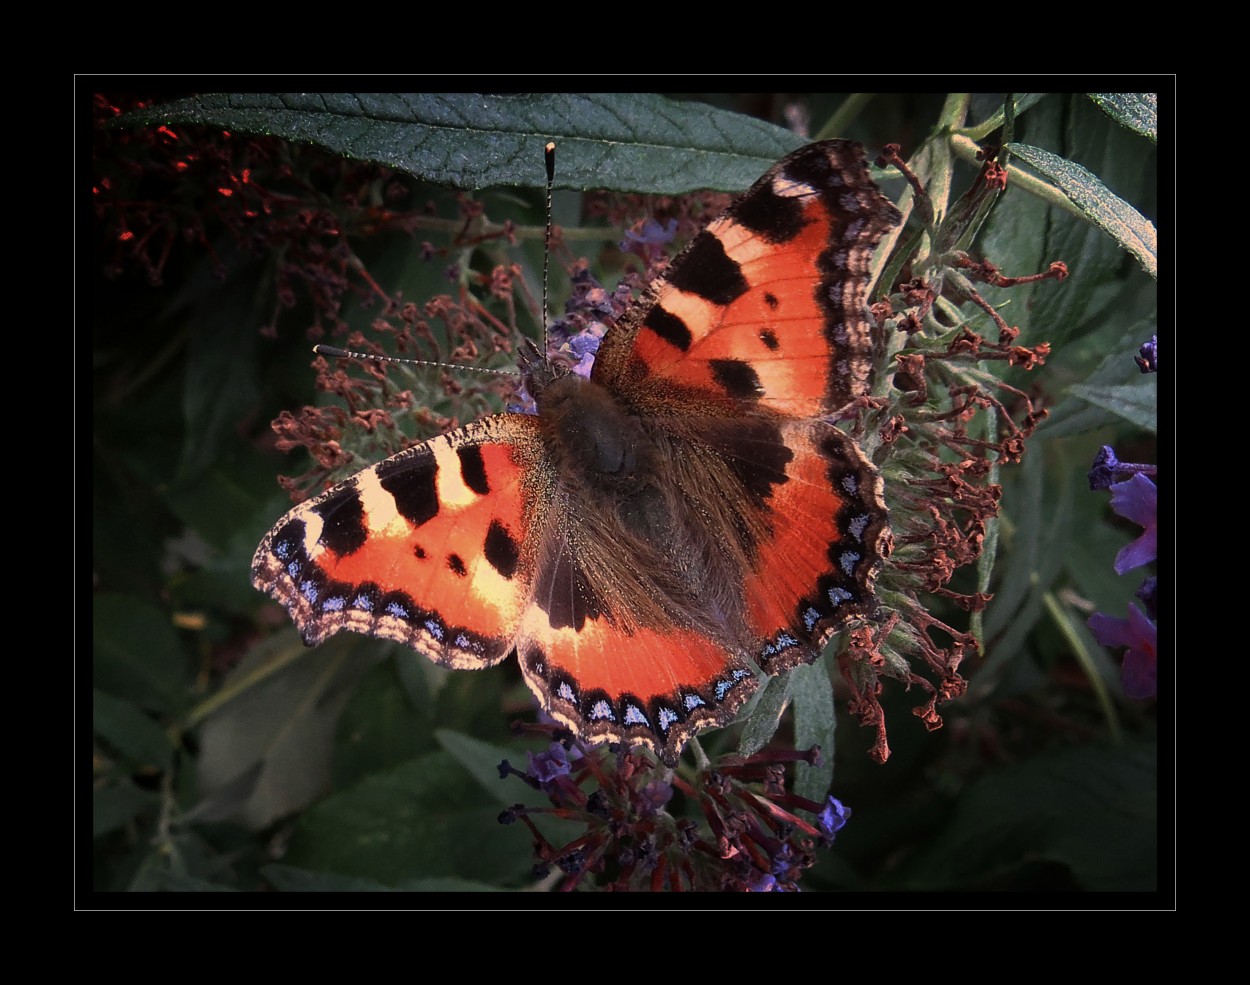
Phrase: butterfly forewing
[766,306]
[431,547]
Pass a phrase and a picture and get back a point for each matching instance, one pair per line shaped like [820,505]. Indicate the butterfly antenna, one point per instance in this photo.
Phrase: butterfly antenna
[335,351]
[549,153]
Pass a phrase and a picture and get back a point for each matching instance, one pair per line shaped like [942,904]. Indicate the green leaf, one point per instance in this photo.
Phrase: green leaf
[420,677]
[225,801]
[1074,415]
[280,709]
[627,142]
[290,879]
[1091,557]
[1136,403]
[113,806]
[220,382]
[814,721]
[131,732]
[446,886]
[1128,227]
[1088,654]
[1139,111]
[1025,234]
[151,872]
[762,724]
[379,728]
[424,819]
[136,653]
[482,760]
[1090,808]
[475,704]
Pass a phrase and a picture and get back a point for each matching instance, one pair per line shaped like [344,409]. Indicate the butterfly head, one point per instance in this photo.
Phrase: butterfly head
[572,344]
[538,373]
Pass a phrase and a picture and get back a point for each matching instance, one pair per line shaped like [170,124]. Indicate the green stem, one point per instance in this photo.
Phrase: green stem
[837,124]
[967,149]
[242,683]
[1064,624]
[954,111]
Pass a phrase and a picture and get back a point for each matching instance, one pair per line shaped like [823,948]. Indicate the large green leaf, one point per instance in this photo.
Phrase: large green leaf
[220,385]
[622,141]
[482,759]
[1041,515]
[1090,808]
[424,819]
[380,728]
[1025,234]
[113,806]
[1076,415]
[128,730]
[278,714]
[1128,227]
[1137,403]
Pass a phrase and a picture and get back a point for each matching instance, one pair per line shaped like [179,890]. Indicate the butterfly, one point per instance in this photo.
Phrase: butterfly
[657,534]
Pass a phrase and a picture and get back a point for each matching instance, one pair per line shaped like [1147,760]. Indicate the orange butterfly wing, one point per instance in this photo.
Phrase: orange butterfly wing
[766,306]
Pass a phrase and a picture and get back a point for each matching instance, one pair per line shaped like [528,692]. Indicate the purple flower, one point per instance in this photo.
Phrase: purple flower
[549,765]
[655,796]
[1139,671]
[579,349]
[648,238]
[588,300]
[834,817]
[586,343]
[1137,499]
[1149,594]
[1103,471]
[1148,356]
[764,882]
[1108,469]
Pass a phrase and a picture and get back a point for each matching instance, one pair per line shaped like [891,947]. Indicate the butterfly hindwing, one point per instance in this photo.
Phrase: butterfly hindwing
[828,535]
[649,686]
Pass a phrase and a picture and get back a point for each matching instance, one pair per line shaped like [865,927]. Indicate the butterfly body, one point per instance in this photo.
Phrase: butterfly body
[655,532]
